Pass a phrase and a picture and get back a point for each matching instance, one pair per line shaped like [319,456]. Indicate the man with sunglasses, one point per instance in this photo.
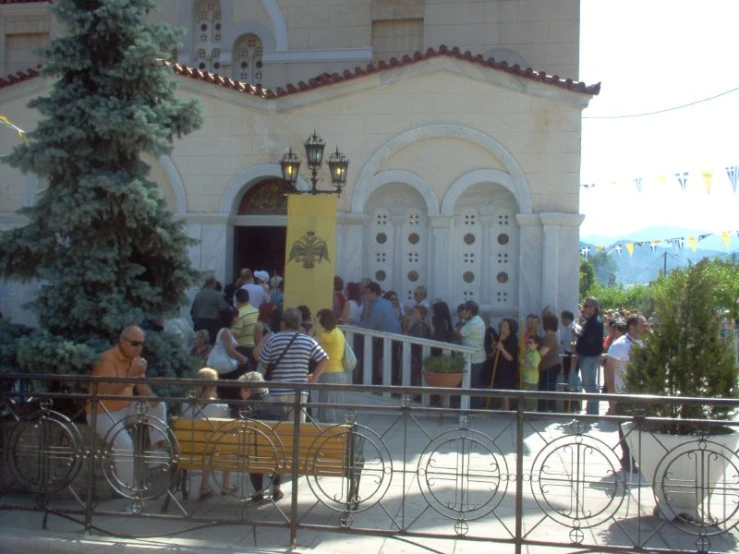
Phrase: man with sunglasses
[124,360]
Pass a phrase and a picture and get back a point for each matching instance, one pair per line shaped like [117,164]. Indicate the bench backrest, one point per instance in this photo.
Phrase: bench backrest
[256,446]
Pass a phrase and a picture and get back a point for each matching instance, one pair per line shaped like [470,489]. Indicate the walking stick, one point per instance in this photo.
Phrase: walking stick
[492,379]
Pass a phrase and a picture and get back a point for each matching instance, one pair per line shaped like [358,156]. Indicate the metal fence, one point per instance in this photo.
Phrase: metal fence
[391,467]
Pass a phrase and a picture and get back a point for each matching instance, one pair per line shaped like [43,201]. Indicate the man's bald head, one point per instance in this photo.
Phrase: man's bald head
[131,341]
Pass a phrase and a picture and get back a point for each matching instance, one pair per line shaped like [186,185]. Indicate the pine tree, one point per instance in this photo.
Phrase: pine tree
[99,239]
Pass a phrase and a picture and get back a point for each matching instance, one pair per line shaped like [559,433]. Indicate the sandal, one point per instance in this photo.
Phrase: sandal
[205,494]
[229,490]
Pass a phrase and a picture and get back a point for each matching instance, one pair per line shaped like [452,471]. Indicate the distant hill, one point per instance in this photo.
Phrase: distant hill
[644,265]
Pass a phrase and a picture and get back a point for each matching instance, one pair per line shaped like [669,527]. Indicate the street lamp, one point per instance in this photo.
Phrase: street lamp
[338,165]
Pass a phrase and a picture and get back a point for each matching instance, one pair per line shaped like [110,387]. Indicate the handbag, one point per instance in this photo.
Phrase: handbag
[219,359]
[271,366]
[349,361]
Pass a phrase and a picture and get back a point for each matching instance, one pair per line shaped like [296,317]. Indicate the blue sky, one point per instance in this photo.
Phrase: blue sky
[651,55]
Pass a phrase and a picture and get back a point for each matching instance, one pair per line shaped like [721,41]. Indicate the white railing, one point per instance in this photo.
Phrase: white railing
[406,342]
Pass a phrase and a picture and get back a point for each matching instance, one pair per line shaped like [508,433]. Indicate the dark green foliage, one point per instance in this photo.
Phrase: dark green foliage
[685,355]
[617,297]
[587,277]
[9,334]
[100,239]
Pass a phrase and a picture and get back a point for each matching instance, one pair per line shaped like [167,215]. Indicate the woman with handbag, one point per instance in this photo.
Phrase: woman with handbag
[225,359]
[333,341]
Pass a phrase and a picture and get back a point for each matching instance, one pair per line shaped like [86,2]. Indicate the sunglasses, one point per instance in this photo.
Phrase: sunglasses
[135,343]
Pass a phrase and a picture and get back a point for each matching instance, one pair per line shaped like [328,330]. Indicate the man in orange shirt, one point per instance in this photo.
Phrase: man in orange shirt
[124,360]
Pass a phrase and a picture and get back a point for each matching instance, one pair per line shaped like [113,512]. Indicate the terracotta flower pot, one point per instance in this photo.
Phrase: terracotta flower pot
[442,379]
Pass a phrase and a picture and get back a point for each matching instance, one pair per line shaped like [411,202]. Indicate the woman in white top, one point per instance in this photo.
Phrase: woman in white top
[203,406]
[352,312]
[224,358]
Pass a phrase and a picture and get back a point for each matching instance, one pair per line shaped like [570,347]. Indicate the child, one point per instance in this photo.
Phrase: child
[418,328]
[203,407]
[530,366]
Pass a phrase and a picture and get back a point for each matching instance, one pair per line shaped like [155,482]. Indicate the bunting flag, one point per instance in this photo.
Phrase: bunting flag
[618,249]
[682,178]
[637,182]
[676,242]
[310,250]
[680,243]
[600,248]
[707,180]
[21,133]
[725,238]
[662,179]
[630,248]
[693,242]
[732,172]
[585,252]
[653,245]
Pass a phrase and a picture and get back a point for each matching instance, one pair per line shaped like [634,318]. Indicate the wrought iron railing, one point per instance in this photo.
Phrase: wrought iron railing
[393,467]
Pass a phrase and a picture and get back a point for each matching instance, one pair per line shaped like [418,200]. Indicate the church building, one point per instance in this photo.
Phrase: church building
[461,120]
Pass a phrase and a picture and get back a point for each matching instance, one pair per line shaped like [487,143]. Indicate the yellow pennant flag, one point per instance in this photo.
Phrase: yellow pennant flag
[630,248]
[599,248]
[708,180]
[662,179]
[310,251]
[21,133]
[693,242]
[725,238]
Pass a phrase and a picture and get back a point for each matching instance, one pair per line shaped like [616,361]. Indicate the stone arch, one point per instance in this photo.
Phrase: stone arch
[518,183]
[278,24]
[409,178]
[472,178]
[245,179]
[265,34]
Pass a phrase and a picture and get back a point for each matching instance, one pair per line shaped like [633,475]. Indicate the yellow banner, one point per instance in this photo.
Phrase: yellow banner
[693,242]
[725,238]
[630,248]
[310,251]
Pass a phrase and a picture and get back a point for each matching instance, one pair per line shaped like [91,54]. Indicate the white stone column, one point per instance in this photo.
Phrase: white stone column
[351,263]
[396,278]
[440,263]
[487,275]
[212,252]
[560,259]
[530,264]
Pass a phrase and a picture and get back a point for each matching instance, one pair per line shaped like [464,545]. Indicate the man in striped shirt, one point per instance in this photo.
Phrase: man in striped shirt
[291,353]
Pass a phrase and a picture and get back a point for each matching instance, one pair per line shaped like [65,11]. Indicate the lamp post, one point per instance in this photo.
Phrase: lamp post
[338,164]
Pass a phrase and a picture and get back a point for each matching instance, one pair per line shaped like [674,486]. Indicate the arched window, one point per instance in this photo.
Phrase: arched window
[207,34]
[247,65]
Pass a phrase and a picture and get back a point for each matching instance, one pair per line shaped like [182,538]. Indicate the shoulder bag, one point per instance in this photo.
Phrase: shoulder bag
[349,361]
[219,359]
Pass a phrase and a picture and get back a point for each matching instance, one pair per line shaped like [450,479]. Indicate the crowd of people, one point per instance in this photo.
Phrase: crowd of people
[236,340]
[567,349]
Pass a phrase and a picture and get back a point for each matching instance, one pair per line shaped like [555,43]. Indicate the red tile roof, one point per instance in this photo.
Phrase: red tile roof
[12,79]
[327,79]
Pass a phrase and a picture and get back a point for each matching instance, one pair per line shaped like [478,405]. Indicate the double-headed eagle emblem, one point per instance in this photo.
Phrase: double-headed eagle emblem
[309,250]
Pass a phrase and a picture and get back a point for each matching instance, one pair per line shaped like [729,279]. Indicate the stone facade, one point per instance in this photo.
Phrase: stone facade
[464,175]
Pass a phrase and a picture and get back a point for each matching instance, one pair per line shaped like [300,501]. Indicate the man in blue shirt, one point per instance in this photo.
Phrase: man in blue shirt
[382,317]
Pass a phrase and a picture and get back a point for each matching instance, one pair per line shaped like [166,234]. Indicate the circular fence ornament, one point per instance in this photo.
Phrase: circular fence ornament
[585,495]
[463,475]
[45,452]
[131,464]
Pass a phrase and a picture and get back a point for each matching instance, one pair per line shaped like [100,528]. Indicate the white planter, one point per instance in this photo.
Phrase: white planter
[686,472]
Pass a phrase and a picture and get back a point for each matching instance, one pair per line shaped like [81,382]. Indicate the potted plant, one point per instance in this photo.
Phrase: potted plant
[684,356]
[445,370]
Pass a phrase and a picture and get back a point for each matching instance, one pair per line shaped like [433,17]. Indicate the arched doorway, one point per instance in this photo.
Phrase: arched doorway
[259,238]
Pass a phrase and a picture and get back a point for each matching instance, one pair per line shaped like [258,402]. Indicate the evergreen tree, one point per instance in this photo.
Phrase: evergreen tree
[685,355]
[99,239]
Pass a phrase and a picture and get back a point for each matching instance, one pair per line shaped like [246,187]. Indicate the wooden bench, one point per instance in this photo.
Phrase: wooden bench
[254,446]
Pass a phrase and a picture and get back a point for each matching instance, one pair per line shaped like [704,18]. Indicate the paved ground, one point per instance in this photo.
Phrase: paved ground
[412,490]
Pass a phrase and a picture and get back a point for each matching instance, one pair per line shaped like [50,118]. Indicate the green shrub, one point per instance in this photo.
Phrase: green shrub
[685,355]
[446,363]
